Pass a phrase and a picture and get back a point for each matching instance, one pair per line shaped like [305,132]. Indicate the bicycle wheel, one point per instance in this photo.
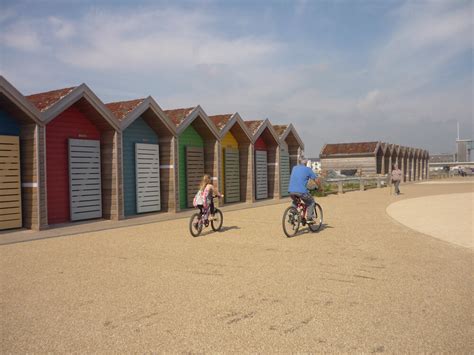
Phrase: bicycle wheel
[291,221]
[318,217]
[216,224]
[195,225]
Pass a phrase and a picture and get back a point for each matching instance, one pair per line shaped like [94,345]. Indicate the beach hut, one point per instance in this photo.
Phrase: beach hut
[21,161]
[236,158]
[266,148]
[82,147]
[291,147]
[148,149]
[198,151]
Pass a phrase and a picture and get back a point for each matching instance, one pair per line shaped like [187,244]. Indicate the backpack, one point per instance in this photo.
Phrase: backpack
[198,199]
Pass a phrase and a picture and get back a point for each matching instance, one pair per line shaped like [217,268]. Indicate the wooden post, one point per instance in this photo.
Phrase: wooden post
[379,183]
[362,186]
[339,187]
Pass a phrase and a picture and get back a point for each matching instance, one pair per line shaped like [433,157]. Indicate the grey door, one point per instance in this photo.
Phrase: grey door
[231,175]
[261,174]
[147,168]
[194,171]
[284,172]
[84,179]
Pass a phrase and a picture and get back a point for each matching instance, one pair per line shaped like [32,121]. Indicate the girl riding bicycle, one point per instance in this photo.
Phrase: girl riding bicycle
[204,197]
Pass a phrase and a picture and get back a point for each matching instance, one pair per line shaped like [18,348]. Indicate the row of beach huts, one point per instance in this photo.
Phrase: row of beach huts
[66,156]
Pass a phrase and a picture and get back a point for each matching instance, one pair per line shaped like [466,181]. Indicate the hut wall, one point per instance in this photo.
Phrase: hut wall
[69,124]
[366,165]
[29,162]
[137,132]
[228,141]
[190,138]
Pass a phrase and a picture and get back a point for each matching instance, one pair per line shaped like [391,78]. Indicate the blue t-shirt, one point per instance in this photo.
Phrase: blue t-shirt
[299,178]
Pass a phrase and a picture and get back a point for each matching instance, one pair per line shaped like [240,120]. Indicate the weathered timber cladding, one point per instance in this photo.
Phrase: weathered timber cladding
[189,138]
[367,165]
[194,172]
[137,132]
[230,148]
[10,183]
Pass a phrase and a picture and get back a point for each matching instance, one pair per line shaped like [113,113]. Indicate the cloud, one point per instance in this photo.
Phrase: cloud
[21,36]
[225,62]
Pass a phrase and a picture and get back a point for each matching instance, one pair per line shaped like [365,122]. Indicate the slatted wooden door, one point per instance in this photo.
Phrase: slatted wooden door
[231,175]
[84,179]
[261,174]
[284,172]
[10,183]
[147,163]
[194,171]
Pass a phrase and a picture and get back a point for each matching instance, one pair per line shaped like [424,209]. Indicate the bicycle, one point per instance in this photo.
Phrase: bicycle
[293,217]
[200,220]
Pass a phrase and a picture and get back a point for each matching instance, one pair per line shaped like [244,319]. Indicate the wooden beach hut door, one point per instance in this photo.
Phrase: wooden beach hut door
[194,171]
[284,172]
[261,174]
[10,183]
[85,188]
[147,168]
[231,175]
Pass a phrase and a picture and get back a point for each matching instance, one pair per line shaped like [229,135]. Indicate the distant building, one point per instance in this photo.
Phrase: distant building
[374,158]
[442,158]
[464,149]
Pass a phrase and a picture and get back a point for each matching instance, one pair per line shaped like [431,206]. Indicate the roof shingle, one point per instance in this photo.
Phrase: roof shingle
[178,115]
[253,126]
[122,108]
[221,120]
[349,148]
[45,100]
[280,129]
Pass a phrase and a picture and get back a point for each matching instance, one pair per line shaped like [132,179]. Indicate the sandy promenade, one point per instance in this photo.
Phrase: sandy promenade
[447,217]
[365,283]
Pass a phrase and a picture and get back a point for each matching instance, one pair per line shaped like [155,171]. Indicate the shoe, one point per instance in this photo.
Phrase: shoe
[211,218]
[311,221]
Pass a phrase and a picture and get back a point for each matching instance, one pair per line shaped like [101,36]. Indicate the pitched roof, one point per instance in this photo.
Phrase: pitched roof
[221,120]
[178,115]
[280,129]
[45,100]
[349,148]
[253,126]
[122,108]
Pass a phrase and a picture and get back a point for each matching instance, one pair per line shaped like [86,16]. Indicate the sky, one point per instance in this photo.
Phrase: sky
[340,71]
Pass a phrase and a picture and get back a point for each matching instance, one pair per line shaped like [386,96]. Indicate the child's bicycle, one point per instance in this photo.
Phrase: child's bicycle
[293,217]
[200,220]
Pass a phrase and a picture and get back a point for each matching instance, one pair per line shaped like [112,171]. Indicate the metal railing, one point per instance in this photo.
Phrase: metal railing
[352,183]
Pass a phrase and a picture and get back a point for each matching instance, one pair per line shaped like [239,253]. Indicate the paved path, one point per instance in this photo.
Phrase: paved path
[366,283]
[447,217]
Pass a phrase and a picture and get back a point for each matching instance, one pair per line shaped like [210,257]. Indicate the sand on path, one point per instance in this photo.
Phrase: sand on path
[365,283]
[447,217]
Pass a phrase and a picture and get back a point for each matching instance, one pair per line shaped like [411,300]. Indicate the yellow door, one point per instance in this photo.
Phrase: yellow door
[228,141]
[10,184]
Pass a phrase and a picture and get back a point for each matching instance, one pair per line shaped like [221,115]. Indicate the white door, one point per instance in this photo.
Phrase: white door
[284,172]
[147,167]
[231,175]
[85,189]
[10,188]
[261,174]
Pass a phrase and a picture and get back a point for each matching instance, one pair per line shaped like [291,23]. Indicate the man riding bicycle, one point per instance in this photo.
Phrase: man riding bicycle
[300,175]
